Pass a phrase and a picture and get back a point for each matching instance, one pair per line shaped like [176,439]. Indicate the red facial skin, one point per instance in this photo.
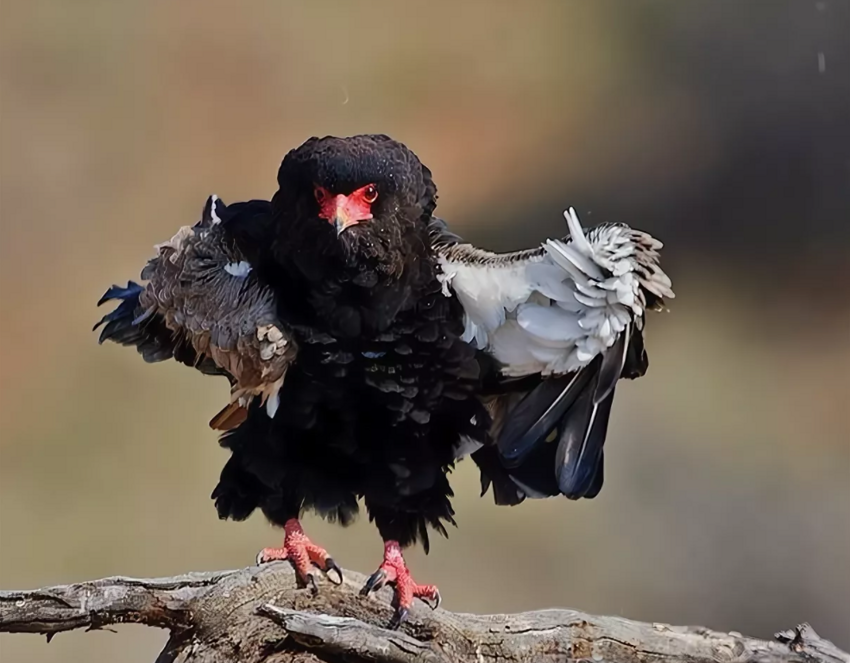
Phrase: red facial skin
[344,211]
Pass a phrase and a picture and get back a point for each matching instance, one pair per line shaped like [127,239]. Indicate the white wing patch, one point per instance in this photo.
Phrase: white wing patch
[487,293]
[272,404]
[214,217]
[239,269]
[554,310]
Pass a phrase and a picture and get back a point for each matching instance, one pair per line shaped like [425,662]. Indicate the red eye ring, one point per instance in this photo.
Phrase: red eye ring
[320,194]
[370,193]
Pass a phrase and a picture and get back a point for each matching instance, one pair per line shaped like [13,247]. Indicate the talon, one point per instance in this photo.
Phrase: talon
[437,600]
[331,565]
[399,618]
[377,580]
[303,554]
[393,571]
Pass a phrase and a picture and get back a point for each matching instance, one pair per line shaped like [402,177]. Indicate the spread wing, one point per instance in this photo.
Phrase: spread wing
[204,306]
[571,312]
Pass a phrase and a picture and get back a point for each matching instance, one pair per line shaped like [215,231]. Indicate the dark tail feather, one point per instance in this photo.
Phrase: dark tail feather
[493,473]
[247,477]
[238,492]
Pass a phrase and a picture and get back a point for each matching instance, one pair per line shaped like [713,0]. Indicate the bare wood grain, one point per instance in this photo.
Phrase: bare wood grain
[258,615]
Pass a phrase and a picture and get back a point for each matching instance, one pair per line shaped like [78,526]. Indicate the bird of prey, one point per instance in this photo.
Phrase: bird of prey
[369,349]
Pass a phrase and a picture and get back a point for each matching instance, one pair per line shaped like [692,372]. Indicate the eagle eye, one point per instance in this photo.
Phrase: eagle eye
[370,193]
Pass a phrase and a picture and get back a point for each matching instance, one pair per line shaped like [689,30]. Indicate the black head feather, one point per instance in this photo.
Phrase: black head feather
[374,249]
[345,164]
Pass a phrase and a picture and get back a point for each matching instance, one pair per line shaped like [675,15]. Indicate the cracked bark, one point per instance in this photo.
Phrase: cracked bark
[257,615]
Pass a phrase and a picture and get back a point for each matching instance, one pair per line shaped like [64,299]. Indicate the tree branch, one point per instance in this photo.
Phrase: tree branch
[257,615]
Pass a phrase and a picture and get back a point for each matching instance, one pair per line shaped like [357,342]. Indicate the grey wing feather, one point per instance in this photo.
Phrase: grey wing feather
[206,292]
[571,312]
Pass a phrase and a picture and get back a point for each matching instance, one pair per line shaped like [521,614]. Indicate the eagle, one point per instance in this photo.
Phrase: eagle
[369,349]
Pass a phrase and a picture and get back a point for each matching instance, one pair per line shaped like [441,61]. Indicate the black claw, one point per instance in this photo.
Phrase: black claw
[311,582]
[437,601]
[377,580]
[399,618]
[331,565]
[260,560]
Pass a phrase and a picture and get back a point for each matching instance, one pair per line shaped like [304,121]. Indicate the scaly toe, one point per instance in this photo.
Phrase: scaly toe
[267,555]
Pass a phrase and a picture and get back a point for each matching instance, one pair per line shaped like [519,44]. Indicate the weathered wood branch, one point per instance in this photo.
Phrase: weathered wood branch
[258,615]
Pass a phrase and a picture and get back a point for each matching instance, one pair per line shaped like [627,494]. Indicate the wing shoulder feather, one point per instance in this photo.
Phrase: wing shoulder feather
[204,290]
[571,312]
[551,310]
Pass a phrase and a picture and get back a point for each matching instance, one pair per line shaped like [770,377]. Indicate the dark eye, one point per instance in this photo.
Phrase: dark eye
[370,194]
[320,194]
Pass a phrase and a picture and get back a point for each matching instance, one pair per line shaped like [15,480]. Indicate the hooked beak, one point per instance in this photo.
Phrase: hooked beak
[342,220]
[344,211]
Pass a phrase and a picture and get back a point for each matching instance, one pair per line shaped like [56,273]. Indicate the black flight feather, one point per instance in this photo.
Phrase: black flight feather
[580,438]
[612,367]
[539,413]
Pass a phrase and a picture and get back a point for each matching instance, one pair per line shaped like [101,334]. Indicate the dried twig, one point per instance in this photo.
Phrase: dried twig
[257,615]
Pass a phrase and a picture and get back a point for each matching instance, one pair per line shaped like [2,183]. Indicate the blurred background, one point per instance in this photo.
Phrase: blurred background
[722,127]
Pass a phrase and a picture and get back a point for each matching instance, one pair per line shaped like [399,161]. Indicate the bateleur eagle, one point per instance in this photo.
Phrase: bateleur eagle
[369,349]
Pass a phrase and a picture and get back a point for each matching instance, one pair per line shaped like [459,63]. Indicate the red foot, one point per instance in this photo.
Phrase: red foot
[394,571]
[303,554]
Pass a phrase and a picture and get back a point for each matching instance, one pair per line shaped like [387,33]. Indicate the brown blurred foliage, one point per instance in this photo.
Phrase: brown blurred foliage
[721,127]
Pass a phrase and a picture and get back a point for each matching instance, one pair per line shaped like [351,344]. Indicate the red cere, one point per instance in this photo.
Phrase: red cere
[356,206]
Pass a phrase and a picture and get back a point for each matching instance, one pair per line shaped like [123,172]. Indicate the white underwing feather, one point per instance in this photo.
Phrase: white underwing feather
[239,269]
[272,404]
[552,310]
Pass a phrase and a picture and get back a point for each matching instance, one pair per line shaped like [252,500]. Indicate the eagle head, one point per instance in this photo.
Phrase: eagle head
[361,199]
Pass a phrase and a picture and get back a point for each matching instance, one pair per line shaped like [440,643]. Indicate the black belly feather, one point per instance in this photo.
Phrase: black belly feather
[370,416]
[383,392]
